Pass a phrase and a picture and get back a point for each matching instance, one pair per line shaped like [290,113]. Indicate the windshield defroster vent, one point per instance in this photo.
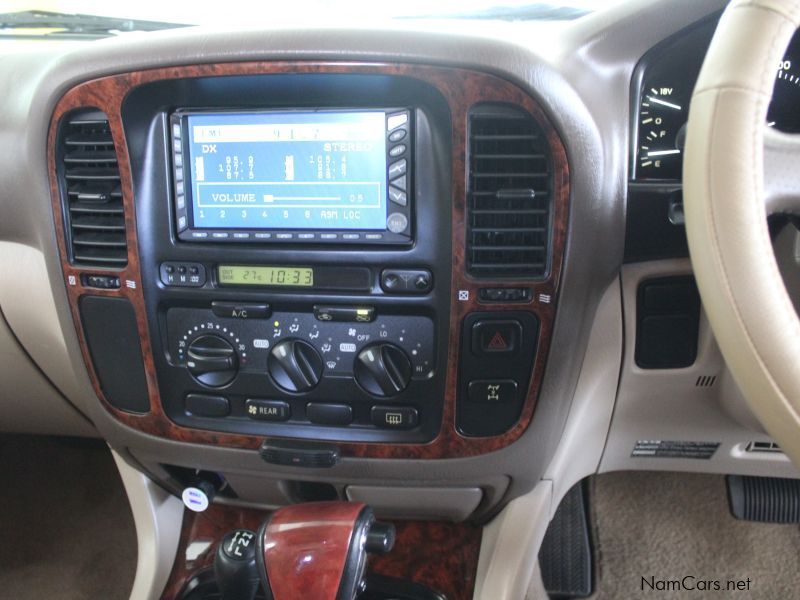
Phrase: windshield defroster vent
[91,192]
[509,198]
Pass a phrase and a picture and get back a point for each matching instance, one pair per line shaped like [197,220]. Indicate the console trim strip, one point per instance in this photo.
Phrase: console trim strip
[461,89]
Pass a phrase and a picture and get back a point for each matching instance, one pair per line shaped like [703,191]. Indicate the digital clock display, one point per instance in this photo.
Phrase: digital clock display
[266,276]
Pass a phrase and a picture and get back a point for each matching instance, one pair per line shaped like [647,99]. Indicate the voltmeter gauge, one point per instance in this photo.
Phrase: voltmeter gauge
[662,133]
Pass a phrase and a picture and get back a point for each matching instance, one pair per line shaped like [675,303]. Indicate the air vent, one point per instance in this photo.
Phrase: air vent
[510,194]
[705,381]
[766,447]
[92,195]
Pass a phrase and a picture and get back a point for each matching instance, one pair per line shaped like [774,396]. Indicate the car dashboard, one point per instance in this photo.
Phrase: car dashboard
[427,267]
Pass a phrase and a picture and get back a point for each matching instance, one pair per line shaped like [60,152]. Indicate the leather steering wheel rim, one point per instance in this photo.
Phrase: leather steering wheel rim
[726,206]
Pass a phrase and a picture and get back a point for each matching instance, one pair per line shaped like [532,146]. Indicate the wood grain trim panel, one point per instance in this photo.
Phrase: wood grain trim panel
[461,89]
[442,556]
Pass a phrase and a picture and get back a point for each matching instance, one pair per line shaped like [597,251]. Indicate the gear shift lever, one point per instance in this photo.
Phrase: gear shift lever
[235,566]
[319,550]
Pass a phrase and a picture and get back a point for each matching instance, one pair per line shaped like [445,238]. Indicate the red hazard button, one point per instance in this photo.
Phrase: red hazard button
[492,337]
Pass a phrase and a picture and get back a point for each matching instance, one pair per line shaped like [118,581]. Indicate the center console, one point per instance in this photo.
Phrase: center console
[359,259]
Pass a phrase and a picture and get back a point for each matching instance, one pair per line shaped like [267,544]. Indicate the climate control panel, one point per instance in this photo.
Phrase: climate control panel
[255,370]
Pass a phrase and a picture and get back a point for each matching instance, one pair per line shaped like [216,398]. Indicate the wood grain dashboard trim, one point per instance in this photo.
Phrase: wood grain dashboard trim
[461,89]
[441,556]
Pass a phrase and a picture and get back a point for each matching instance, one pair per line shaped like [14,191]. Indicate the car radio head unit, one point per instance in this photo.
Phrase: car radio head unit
[311,176]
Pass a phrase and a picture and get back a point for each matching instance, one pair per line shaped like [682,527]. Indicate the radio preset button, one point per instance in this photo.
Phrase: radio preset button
[220,235]
[328,236]
[267,410]
[176,130]
[397,222]
[241,310]
[178,160]
[352,314]
[306,236]
[397,196]
[351,236]
[397,150]
[239,235]
[398,168]
[284,236]
[397,120]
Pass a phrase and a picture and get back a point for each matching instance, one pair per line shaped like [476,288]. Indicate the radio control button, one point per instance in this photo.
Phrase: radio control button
[179,188]
[240,235]
[398,135]
[397,120]
[181,202]
[179,174]
[397,150]
[200,234]
[400,182]
[406,281]
[220,235]
[328,236]
[284,236]
[182,223]
[394,417]
[398,168]
[176,130]
[373,236]
[176,145]
[240,310]
[263,236]
[397,222]
[329,414]
[397,196]
[351,314]
[306,236]
[178,160]
[351,236]
[267,410]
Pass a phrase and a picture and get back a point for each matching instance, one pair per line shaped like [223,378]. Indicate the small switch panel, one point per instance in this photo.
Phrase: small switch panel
[498,351]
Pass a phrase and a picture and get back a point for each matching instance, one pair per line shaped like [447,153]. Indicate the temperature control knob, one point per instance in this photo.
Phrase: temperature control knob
[212,360]
[383,369]
[295,365]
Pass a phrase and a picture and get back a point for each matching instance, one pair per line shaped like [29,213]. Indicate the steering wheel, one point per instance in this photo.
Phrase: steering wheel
[737,171]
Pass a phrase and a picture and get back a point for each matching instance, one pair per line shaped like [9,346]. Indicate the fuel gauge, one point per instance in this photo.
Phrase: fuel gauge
[662,133]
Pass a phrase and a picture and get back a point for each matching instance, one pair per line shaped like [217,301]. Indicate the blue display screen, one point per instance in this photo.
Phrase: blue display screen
[288,170]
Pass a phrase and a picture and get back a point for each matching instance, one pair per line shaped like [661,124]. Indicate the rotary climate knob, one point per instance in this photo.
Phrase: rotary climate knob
[212,360]
[383,369]
[295,365]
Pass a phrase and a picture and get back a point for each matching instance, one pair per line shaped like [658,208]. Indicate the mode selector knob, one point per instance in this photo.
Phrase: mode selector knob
[295,365]
[383,369]
[212,360]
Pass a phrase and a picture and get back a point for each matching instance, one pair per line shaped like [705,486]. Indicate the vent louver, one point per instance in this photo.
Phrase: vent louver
[92,197]
[510,194]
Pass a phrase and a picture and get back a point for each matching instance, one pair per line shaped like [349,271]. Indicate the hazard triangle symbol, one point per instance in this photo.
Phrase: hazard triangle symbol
[498,342]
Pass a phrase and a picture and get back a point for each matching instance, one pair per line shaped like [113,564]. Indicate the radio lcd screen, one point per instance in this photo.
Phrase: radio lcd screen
[291,170]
